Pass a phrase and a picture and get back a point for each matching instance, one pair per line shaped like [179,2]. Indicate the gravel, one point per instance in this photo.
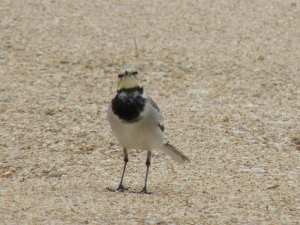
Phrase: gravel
[225,74]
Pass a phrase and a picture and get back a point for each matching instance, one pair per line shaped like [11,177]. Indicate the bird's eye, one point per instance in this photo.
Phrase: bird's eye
[120,76]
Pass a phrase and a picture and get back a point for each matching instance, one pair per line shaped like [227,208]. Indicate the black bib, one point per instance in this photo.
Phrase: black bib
[128,104]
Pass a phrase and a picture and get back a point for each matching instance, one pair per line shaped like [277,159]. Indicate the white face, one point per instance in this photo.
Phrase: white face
[129,78]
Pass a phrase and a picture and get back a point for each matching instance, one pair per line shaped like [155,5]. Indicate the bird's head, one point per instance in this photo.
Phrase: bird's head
[129,78]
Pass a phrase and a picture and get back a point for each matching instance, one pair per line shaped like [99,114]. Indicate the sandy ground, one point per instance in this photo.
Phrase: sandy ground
[226,75]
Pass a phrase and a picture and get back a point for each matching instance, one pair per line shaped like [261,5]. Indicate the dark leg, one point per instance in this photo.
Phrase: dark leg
[148,162]
[121,187]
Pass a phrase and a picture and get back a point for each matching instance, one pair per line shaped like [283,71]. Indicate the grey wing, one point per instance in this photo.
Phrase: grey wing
[154,105]
[161,123]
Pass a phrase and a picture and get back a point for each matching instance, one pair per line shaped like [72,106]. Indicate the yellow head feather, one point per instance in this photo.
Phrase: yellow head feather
[129,78]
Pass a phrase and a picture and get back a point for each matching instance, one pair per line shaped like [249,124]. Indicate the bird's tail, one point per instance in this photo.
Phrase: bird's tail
[175,154]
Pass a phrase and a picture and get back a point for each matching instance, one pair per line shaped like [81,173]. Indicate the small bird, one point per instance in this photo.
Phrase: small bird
[137,122]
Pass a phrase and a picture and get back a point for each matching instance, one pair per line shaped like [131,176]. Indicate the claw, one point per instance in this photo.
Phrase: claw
[144,191]
[121,188]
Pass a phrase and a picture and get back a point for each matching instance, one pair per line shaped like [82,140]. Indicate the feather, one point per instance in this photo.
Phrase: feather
[175,154]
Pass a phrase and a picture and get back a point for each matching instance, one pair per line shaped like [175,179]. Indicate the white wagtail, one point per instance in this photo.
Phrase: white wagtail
[137,122]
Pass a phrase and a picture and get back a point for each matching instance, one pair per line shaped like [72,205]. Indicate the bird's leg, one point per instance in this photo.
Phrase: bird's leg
[148,162]
[121,187]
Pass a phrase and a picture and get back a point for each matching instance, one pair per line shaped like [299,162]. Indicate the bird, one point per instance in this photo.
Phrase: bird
[137,123]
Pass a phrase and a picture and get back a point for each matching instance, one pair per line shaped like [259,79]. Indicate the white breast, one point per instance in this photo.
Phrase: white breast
[143,135]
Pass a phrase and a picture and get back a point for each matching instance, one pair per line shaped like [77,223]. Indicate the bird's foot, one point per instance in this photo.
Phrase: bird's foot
[144,191]
[121,188]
